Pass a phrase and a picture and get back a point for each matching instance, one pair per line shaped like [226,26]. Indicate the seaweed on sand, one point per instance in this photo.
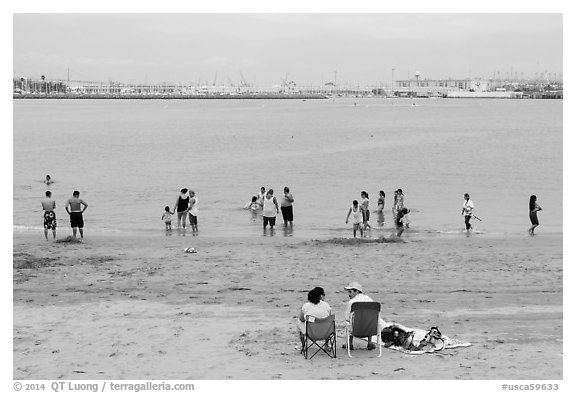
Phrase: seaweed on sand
[359,241]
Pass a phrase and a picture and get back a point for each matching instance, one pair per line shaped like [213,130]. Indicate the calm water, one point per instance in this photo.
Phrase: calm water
[129,159]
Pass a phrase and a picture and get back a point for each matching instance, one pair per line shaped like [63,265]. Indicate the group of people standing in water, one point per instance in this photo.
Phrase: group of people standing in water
[186,206]
[468,207]
[74,206]
[267,203]
[360,212]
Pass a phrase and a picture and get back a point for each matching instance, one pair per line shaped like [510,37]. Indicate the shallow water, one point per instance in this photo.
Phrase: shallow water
[129,159]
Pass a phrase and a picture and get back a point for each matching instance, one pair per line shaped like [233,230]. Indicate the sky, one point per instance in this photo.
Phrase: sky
[356,49]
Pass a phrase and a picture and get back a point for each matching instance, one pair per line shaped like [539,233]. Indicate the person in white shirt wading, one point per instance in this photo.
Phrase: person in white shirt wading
[270,210]
[467,208]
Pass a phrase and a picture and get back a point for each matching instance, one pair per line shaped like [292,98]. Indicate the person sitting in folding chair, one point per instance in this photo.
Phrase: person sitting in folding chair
[320,336]
[355,294]
[315,307]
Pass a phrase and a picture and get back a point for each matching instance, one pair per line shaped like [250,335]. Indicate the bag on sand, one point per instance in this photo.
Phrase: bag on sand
[398,337]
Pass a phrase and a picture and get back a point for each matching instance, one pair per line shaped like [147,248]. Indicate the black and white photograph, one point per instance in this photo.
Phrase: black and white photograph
[273,195]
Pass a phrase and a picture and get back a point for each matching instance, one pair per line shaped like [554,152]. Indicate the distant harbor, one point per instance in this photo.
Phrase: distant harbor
[27,88]
[136,96]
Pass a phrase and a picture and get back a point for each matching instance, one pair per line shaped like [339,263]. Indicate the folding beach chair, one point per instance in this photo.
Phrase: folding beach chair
[318,330]
[363,323]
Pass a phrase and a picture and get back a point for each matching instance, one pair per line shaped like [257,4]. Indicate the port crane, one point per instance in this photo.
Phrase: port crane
[243,83]
[289,86]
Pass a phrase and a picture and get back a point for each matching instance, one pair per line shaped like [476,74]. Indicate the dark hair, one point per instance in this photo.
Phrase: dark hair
[466,195]
[286,189]
[400,191]
[254,198]
[364,193]
[184,190]
[320,290]
[48,193]
[382,193]
[402,213]
[532,203]
[76,193]
[314,296]
[167,208]
[355,202]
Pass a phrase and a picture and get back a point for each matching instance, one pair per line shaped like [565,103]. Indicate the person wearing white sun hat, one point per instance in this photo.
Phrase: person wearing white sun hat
[355,294]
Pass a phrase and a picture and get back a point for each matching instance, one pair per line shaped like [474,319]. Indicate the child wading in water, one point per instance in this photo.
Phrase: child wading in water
[253,206]
[357,218]
[167,218]
[400,222]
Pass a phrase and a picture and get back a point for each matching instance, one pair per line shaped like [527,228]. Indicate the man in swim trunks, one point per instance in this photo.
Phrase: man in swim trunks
[286,207]
[73,208]
[48,205]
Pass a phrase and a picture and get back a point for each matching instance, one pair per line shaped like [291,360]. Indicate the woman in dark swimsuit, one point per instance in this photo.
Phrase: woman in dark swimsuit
[533,208]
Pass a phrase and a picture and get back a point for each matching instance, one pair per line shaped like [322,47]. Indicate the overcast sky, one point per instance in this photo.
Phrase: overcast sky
[358,49]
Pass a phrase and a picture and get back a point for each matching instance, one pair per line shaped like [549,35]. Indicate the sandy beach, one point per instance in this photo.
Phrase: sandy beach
[139,307]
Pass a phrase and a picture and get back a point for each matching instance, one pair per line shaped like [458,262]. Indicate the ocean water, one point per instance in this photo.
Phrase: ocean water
[129,159]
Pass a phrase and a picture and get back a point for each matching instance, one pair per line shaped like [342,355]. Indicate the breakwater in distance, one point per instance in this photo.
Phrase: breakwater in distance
[170,96]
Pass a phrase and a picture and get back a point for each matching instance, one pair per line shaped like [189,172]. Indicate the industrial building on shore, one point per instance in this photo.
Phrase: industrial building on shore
[477,88]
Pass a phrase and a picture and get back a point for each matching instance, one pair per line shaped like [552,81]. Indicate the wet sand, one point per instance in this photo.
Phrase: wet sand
[139,307]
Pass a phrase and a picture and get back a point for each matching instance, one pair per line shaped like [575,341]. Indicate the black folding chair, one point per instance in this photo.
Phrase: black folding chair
[363,323]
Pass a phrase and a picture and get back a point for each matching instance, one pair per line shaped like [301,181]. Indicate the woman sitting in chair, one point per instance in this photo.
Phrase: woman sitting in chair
[315,307]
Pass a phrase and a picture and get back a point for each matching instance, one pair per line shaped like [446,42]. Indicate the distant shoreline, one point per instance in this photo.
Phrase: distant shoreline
[174,97]
[249,97]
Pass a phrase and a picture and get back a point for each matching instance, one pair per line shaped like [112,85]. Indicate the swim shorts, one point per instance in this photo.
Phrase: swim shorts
[271,220]
[49,220]
[534,218]
[76,220]
[287,213]
[467,222]
[193,219]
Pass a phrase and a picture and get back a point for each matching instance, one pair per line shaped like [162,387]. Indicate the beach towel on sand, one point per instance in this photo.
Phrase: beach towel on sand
[417,341]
